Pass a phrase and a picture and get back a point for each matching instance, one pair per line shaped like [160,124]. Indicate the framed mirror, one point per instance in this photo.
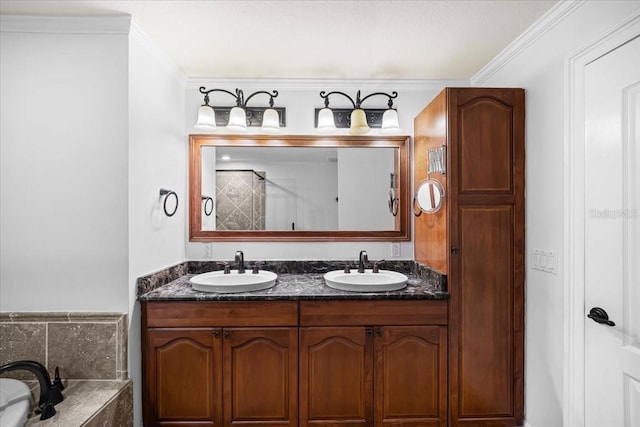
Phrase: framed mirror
[298,188]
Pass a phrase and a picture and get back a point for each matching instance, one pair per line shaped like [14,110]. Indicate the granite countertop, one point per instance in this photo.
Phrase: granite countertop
[293,287]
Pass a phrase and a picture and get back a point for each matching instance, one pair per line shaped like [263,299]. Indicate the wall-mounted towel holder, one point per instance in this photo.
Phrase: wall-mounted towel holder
[166,194]
[206,200]
[394,200]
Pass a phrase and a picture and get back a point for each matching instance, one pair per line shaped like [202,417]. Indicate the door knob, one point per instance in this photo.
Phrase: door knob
[600,316]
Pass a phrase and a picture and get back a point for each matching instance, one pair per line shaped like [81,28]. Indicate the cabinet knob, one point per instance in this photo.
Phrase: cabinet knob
[454,250]
[225,334]
[369,332]
[216,334]
[379,332]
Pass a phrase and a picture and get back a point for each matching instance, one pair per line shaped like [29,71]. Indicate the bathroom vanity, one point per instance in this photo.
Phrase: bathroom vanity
[297,354]
[304,354]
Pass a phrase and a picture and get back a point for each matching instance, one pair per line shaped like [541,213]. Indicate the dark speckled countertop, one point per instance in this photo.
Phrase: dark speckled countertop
[173,284]
[291,287]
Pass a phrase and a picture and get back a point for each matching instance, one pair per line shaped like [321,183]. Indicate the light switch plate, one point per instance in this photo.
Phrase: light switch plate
[395,250]
[546,261]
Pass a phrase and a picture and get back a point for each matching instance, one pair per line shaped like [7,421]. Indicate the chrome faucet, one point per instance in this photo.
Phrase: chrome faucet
[50,392]
[240,262]
[363,259]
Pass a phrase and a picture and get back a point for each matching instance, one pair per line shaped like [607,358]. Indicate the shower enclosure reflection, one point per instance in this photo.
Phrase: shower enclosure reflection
[298,188]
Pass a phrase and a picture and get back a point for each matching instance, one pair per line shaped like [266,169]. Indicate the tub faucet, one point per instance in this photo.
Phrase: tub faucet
[362,260]
[50,392]
[240,262]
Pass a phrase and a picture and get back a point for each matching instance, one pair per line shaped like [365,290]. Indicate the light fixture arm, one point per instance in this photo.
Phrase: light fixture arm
[272,95]
[391,97]
[238,95]
[325,96]
[358,101]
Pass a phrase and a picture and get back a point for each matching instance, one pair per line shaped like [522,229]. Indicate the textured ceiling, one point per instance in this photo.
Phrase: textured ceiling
[318,39]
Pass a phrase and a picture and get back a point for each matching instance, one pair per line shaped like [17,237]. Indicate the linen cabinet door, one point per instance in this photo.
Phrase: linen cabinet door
[260,376]
[183,378]
[486,270]
[411,376]
[336,376]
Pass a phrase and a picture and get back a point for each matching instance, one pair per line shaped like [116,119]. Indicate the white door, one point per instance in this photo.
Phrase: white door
[612,238]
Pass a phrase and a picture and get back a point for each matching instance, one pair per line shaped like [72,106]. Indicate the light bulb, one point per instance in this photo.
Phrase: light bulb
[326,123]
[206,118]
[237,119]
[270,120]
[390,122]
[359,124]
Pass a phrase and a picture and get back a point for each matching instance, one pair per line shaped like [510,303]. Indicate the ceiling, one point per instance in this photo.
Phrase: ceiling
[348,39]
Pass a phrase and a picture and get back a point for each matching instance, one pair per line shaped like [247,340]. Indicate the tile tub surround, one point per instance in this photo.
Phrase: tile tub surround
[89,403]
[82,345]
[145,284]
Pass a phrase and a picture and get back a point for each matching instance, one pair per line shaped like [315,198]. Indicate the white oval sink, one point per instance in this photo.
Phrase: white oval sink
[15,402]
[217,281]
[385,280]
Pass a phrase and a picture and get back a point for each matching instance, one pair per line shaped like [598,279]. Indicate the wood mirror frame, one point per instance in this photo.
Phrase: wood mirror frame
[402,220]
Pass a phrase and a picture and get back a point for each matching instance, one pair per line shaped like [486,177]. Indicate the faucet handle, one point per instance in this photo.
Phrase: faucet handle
[255,268]
[347,268]
[376,266]
[227,269]
[57,382]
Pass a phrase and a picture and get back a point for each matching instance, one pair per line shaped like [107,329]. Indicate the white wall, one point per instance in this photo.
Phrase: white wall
[300,97]
[157,159]
[537,63]
[364,177]
[64,177]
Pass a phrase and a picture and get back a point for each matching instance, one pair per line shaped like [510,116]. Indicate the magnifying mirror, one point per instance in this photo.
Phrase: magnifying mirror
[428,197]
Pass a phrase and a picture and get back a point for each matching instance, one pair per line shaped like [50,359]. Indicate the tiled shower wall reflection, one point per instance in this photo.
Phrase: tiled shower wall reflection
[82,345]
[240,200]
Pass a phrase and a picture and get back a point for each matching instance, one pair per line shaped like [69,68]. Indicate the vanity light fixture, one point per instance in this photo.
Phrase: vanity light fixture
[240,116]
[359,120]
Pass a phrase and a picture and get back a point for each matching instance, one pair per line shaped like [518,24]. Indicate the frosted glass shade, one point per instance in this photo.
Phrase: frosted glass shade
[326,123]
[237,119]
[359,123]
[206,118]
[390,122]
[270,120]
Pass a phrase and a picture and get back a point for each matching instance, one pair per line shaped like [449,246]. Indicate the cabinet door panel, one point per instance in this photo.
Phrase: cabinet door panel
[411,376]
[260,376]
[336,377]
[183,374]
[484,319]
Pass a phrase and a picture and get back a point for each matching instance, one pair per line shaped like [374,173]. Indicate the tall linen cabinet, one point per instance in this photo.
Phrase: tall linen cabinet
[477,239]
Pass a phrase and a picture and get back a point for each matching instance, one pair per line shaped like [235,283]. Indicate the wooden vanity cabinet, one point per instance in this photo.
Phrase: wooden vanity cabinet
[220,363]
[367,363]
[477,240]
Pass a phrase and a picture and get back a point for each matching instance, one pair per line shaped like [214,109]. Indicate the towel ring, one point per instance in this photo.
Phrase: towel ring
[417,212]
[393,202]
[206,200]
[166,194]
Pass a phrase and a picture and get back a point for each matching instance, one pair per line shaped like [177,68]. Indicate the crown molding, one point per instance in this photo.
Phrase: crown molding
[107,24]
[138,34]
[549,20]
[334,84]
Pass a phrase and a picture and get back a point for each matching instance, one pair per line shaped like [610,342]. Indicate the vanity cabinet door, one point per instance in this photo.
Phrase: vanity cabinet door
[183,377]
[411,376]
[336,376]
[260,376]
